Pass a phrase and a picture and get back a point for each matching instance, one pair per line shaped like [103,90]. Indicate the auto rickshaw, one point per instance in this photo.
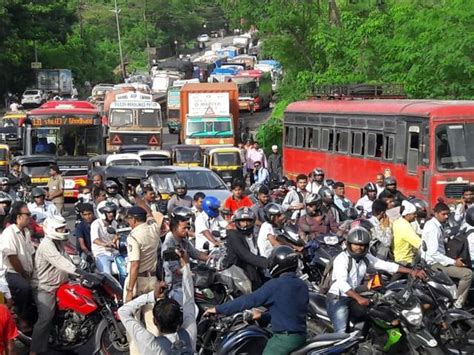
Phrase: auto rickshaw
[10,130]
[225,161]
[186,155]
[36,167]
[4,159]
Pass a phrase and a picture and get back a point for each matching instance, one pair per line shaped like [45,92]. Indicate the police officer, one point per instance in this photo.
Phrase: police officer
[143,243]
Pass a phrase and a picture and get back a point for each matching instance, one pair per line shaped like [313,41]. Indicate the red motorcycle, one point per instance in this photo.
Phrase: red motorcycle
[86,320]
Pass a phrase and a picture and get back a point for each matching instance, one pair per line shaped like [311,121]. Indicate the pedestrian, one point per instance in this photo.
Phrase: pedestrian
[56,188]
[246,135]
[14,106]
[254,154]
[143,243]
[467,201]
[275,165]
[260,174]
[380,183]
[294,199]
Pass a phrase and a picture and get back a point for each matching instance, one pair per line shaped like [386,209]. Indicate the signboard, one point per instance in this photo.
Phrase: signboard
[135,104]
[63,121]
[213,103]
[36,65]
[133,96]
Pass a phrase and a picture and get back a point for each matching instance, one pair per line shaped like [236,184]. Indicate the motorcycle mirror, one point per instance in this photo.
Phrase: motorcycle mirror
[111,230]
[206,246]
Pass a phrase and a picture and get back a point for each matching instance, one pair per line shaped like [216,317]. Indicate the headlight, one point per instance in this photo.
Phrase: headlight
[414,316]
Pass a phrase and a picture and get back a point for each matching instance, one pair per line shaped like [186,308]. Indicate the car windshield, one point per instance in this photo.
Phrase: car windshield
[31,92]
[119,118]
[224,159]
[66,140]
[149,118]
[188,156]
[453,150]
[195,180]
[214,127]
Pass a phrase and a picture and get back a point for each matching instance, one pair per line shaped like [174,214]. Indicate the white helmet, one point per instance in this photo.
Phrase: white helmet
[106,206]
[51,226]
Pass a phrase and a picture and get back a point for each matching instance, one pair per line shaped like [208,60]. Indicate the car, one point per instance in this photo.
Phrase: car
[127,159]
[197,178]
[155,157]
[203,38]
[33,97]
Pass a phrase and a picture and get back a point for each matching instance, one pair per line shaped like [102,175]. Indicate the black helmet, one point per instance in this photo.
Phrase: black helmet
[242,214]
[359,236]
[5,198]
[370,187]
[282,259]
[182,213]
[326,192]
[179,183]
[111,187]
[272,209]
[390,180]
[318,171]
[421,207]
[470,216]
[37,192]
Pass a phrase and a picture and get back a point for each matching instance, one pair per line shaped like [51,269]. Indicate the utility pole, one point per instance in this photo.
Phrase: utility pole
[122,65]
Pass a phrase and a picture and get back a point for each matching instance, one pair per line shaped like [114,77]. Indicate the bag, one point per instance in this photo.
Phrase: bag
[182,345]
[458,247]
[326,281]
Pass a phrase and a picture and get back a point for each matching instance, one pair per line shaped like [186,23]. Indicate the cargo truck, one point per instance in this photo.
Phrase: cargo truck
[55,81]
[209,114]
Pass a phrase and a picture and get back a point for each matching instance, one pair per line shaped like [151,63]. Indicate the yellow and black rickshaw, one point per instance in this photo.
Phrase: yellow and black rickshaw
[4,159]
[225,161]
[186,155]
[36,167]
[10,129]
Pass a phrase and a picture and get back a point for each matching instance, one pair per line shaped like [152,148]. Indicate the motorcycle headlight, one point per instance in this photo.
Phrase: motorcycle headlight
[413,316]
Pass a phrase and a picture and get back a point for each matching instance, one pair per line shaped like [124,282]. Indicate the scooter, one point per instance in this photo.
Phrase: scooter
[119,266]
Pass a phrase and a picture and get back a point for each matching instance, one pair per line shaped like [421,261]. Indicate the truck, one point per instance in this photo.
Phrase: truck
[209,114]
[55,81]
[173,104]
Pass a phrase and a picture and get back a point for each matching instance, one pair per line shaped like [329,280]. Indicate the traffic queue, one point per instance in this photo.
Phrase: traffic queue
[273,266]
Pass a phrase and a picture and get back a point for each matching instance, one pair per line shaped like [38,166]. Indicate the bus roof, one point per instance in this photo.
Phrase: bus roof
[418,108]
[255,73]
[65,107]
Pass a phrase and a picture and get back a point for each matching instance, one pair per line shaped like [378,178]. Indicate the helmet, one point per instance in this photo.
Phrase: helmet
[242,214]
[179,183]
[5,198]
[370,187]
[51,226]
[318,171]
[330,183]
[37,192]
[182,213]
[4,180]
[282,259]
[470,216]
[111,187]
[313,200]
[104,207]
[211,206]
[326,192]
[421,207]
[390,180]
[359,236]
[272,209]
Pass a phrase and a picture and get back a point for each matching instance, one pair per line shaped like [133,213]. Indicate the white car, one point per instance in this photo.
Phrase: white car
[203,38]
[33,97]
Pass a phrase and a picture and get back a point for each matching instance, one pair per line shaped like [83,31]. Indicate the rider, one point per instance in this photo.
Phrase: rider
[317,181]
[6,187]
[328,207]
[5,206]
[177,238]
[208,221]
[294,200]
[342,203]
[83,230]
[17,177]
[391,186]
[53,267]
[263,198]
[366,201]
[237,199]
[405,240]
[180,197]
[198,198]
[285,296]
[342,296]
[103,242]
[315,222]
[111,188]
[242,249]
[381,230]
[275,217]
[40,208]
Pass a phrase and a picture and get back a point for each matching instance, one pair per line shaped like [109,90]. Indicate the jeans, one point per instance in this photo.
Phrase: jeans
[104,263]
[338,312]
[46,304]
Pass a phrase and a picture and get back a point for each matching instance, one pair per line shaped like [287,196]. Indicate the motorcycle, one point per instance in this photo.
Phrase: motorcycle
[240,334]
[86,320]
[318,252]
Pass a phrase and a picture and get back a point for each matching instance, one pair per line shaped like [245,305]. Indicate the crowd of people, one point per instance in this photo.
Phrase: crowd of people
[383,229]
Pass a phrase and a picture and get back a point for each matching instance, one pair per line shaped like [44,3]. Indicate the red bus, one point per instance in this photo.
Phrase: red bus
[72,131]
[255,89]
[424,144]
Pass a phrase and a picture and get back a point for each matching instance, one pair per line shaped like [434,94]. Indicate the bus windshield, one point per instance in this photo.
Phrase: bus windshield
[66,140]
[249,88]
[453,150]
[215,127]
[119,118]
[149,118]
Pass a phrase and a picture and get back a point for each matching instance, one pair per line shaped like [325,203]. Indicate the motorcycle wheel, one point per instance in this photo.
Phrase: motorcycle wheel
[109,346]
[464,341]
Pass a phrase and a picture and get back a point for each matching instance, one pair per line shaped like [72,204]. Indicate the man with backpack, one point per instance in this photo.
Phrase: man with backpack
[178,330]
[344,275]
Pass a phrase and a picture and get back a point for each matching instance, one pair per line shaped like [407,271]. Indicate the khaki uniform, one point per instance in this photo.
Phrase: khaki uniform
[55,184]
[143,243]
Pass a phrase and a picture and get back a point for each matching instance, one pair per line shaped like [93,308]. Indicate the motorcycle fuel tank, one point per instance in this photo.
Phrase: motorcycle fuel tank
[73,296]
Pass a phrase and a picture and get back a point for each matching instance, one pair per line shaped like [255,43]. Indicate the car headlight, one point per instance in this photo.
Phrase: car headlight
[413,316]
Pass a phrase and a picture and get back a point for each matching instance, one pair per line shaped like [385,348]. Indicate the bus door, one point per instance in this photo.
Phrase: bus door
[418,155]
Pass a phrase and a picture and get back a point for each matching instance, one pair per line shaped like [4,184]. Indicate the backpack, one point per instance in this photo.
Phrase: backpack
[326,280]
[182,345]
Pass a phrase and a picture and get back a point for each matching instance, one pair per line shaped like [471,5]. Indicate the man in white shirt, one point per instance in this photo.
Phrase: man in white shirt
[466,202]
[260,174]
[208,221]
[366,201]
[317,181]
[103,242]
[340,199]
[435,253]
[266,240]
[39,208]
[349,269]
[380,183]
[294,199]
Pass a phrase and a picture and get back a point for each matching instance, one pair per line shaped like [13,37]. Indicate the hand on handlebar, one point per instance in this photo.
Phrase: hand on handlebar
[419,274]
[362,301]
[209,312]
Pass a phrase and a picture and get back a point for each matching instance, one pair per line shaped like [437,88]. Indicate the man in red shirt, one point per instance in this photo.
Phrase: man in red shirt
[237,199]
[8,332]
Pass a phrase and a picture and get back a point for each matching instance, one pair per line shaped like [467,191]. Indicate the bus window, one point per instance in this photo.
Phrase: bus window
[453,150]
[290,136]
[315,143]
[309,138]
[300,137]
[379,146]
[389,147]
[342,141]
[371,141]
[325,140]
[358,140]
[413,148]
[425,147]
